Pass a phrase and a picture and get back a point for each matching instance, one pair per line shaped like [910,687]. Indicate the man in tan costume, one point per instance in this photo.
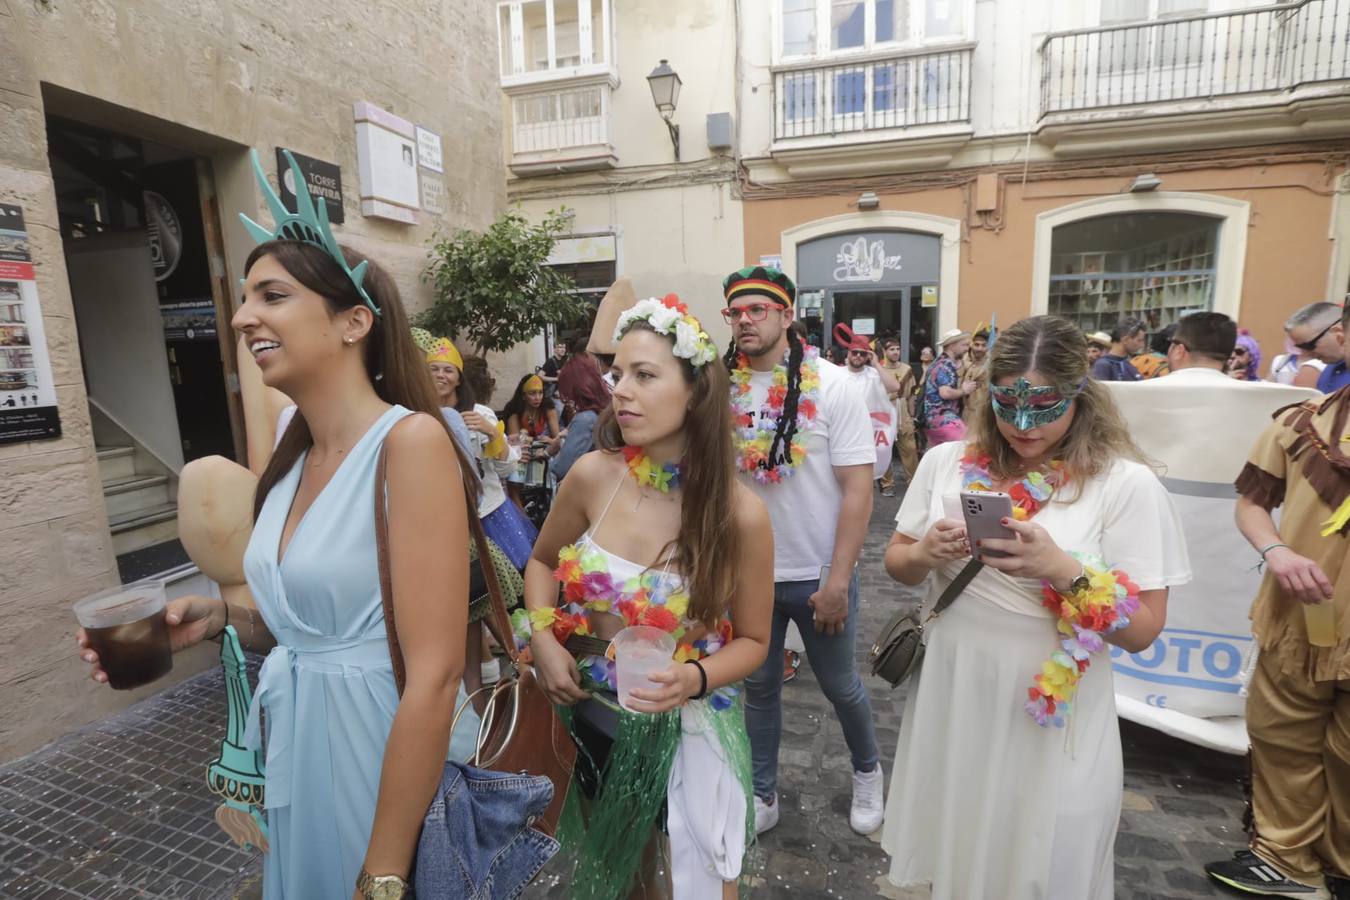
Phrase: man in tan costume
[1298,705]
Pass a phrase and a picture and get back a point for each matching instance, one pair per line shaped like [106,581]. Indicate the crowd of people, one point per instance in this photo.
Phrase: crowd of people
[721,497]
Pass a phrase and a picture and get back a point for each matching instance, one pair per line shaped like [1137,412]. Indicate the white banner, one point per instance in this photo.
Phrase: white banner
[1199,425]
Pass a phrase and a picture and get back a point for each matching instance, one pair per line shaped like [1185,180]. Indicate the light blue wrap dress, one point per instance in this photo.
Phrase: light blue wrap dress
[328,687]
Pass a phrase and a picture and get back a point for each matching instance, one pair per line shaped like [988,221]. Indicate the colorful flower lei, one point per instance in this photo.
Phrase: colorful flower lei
[670,316]
[753,440]
[1083,619]
[1028,495]
[663,477]
[649,598]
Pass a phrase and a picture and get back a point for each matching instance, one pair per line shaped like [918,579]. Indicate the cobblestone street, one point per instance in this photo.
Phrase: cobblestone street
[120,809]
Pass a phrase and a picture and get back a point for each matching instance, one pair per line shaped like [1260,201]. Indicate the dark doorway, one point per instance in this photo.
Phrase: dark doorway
[108,183]
[898,312]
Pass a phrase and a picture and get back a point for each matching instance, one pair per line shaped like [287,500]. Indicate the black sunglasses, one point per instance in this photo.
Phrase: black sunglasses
[1309,345]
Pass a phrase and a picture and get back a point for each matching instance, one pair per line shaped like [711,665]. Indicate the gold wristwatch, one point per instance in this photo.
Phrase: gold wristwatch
[381,887]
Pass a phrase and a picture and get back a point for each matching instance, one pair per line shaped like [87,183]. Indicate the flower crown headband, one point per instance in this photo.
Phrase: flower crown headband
[669,316]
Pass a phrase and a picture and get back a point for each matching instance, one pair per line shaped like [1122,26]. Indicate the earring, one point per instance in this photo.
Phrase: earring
[348,341]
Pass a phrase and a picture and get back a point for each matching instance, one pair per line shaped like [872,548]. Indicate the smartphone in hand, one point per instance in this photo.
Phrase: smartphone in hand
[984,512]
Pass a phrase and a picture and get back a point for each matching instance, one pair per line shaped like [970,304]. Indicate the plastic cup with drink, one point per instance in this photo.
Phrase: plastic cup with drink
[1321,621]
[639,652]
[125,626]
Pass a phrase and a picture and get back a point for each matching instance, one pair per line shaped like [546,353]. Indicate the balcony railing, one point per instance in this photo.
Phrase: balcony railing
[551,121]
[900,91]
[1268,48]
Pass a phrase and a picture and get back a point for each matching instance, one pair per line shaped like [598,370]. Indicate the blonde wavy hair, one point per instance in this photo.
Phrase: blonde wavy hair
[1055,349]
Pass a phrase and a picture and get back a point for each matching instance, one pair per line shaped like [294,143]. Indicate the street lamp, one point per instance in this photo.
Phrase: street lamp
[665,84]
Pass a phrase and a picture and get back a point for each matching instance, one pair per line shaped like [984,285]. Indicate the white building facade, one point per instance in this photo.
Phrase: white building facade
[581,131]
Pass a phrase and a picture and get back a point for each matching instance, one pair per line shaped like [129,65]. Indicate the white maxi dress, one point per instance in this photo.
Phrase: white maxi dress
[985,803]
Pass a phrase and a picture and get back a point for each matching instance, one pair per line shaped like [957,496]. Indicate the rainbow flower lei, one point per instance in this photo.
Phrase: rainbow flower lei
[1028,495]
[753,440]
[663,477]
[1083,619]
[649,598]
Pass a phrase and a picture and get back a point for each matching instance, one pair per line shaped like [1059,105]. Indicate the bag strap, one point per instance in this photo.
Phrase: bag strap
[497,621]
[954,589]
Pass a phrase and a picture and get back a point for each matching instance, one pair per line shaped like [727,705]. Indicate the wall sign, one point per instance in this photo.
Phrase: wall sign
[433,194]
[584,249]
[429,150]
[386,156]
[324,178]
[165,232]
[858,259]
[27,393]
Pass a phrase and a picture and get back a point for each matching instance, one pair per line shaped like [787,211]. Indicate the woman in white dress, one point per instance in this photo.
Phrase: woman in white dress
[995,795]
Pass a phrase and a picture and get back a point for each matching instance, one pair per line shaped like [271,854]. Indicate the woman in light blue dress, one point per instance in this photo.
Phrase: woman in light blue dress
[350,766]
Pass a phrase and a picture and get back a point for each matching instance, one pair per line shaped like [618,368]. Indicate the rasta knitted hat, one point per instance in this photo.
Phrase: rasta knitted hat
[762,280]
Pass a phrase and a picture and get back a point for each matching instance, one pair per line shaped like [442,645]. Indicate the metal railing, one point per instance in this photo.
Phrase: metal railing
[1268,48]
[900,91]
[559,120]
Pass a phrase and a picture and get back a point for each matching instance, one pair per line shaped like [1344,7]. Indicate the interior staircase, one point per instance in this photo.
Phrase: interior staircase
[142,508]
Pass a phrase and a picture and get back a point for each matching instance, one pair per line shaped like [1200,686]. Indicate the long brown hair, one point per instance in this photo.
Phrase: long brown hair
[707,549]
[1057,350]
[396,367]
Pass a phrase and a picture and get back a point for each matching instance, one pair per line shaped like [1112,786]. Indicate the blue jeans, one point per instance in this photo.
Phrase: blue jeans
[476,842]
[831,657]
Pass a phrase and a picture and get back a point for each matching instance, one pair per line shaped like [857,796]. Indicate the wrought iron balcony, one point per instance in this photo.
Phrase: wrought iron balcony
[1198,57]
[874,93]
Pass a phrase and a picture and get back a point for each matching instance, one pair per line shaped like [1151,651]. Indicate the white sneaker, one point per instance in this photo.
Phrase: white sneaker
[766,814]
[869,808]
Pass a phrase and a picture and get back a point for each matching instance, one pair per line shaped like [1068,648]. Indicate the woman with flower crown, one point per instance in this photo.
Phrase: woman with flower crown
[1007,779]
[653,529]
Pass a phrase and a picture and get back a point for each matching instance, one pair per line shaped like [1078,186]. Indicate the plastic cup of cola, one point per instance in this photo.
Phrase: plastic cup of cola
[126,628]
[639,651]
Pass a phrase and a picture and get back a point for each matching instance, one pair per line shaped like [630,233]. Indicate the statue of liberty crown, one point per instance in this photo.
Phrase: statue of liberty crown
[308,224]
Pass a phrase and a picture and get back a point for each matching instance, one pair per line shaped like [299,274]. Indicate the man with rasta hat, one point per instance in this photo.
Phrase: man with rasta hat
[804,445]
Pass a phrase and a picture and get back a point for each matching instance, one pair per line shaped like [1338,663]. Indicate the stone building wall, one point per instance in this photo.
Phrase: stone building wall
[215,77]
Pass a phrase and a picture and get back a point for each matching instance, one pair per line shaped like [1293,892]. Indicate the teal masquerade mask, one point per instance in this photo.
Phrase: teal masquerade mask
[1025,407]
[308,224]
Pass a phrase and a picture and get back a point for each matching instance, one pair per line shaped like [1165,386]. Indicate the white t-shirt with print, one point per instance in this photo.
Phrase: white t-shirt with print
[804,507]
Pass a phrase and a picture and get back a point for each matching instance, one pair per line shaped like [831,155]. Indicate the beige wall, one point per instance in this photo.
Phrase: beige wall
[215,77]
[1289,240]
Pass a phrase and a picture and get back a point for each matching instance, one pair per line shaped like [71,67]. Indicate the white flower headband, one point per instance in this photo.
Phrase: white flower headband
[669,316]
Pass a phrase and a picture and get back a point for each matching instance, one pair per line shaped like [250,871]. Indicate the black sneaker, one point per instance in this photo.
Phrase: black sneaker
[1249,873]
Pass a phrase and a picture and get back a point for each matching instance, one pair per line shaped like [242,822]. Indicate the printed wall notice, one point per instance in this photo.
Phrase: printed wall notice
[27,394]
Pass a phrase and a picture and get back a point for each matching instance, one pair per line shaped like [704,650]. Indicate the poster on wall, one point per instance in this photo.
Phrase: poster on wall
[27,393]
[386,157]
